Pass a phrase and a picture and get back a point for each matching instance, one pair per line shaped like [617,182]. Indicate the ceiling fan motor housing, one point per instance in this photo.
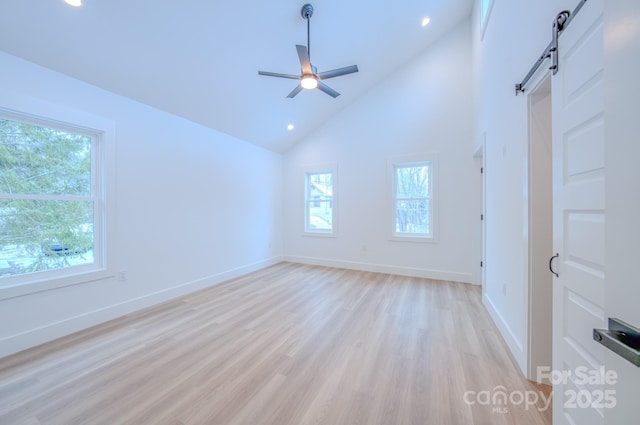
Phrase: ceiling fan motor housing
[307,11]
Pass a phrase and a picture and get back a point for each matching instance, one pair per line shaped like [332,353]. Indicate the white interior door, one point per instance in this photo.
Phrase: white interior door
[578,217]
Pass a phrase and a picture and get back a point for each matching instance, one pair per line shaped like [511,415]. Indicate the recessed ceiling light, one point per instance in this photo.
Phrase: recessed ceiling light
[74,3]
[290,127]
[425,21]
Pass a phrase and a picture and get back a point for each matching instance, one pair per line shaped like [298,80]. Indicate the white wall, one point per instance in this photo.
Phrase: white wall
[194,207]
[622,186]
[424,107]
[515,37]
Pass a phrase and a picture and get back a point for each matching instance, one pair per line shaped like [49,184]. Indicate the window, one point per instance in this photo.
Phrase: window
[485,12]
[413,200]
[52,204]
[319,202]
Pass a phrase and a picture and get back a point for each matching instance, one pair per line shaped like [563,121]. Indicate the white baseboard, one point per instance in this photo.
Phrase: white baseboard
[52,331]
[515,346]
[383,268]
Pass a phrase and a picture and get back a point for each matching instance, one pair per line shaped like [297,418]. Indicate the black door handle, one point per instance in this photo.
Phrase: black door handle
[551,266]
[621,338]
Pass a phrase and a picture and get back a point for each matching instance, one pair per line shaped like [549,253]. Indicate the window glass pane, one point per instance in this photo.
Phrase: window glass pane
[320,185]
[484,7]
[412,181]
[412,217]
[44,235]
[43,161]
[320,215]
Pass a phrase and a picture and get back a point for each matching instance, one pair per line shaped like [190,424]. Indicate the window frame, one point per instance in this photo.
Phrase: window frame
[404,161]
[322,169]
[102,132]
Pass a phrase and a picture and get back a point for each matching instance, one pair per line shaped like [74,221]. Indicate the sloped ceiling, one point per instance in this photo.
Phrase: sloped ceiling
[198,59]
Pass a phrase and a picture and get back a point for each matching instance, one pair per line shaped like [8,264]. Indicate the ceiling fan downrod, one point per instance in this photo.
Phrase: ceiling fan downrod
[307,13]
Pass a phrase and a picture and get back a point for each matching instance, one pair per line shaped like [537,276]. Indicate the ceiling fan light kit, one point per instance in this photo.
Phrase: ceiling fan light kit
[309,82]
[309,77]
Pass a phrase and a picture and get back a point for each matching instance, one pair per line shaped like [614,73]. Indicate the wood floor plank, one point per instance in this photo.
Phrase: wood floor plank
[288,345]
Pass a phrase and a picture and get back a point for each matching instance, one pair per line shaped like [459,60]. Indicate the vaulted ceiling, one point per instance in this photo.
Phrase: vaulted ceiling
[198,59]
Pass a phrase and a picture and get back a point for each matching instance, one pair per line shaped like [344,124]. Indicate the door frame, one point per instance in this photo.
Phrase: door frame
[533,324]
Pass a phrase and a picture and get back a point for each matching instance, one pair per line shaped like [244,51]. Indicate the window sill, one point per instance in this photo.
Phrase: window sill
[320,234]
[414,239]
[20,287]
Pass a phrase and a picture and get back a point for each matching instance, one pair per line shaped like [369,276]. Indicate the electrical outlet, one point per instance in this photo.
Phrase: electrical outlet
[122,275]
[364,248]
[504,289]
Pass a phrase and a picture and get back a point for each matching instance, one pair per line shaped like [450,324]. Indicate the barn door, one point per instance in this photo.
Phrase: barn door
[578,218]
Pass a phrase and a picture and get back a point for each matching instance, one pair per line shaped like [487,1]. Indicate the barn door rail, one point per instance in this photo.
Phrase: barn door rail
[551,52]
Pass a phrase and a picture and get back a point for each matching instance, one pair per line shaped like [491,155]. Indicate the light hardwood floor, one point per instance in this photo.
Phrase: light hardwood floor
[290,344]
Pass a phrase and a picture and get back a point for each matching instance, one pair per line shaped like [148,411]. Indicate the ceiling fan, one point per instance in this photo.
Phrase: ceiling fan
[310,78]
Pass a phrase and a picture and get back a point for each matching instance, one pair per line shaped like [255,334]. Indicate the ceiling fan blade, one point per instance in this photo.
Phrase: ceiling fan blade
[338,72]
[328,90]
[277,74]
[305,62]
[295,91]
